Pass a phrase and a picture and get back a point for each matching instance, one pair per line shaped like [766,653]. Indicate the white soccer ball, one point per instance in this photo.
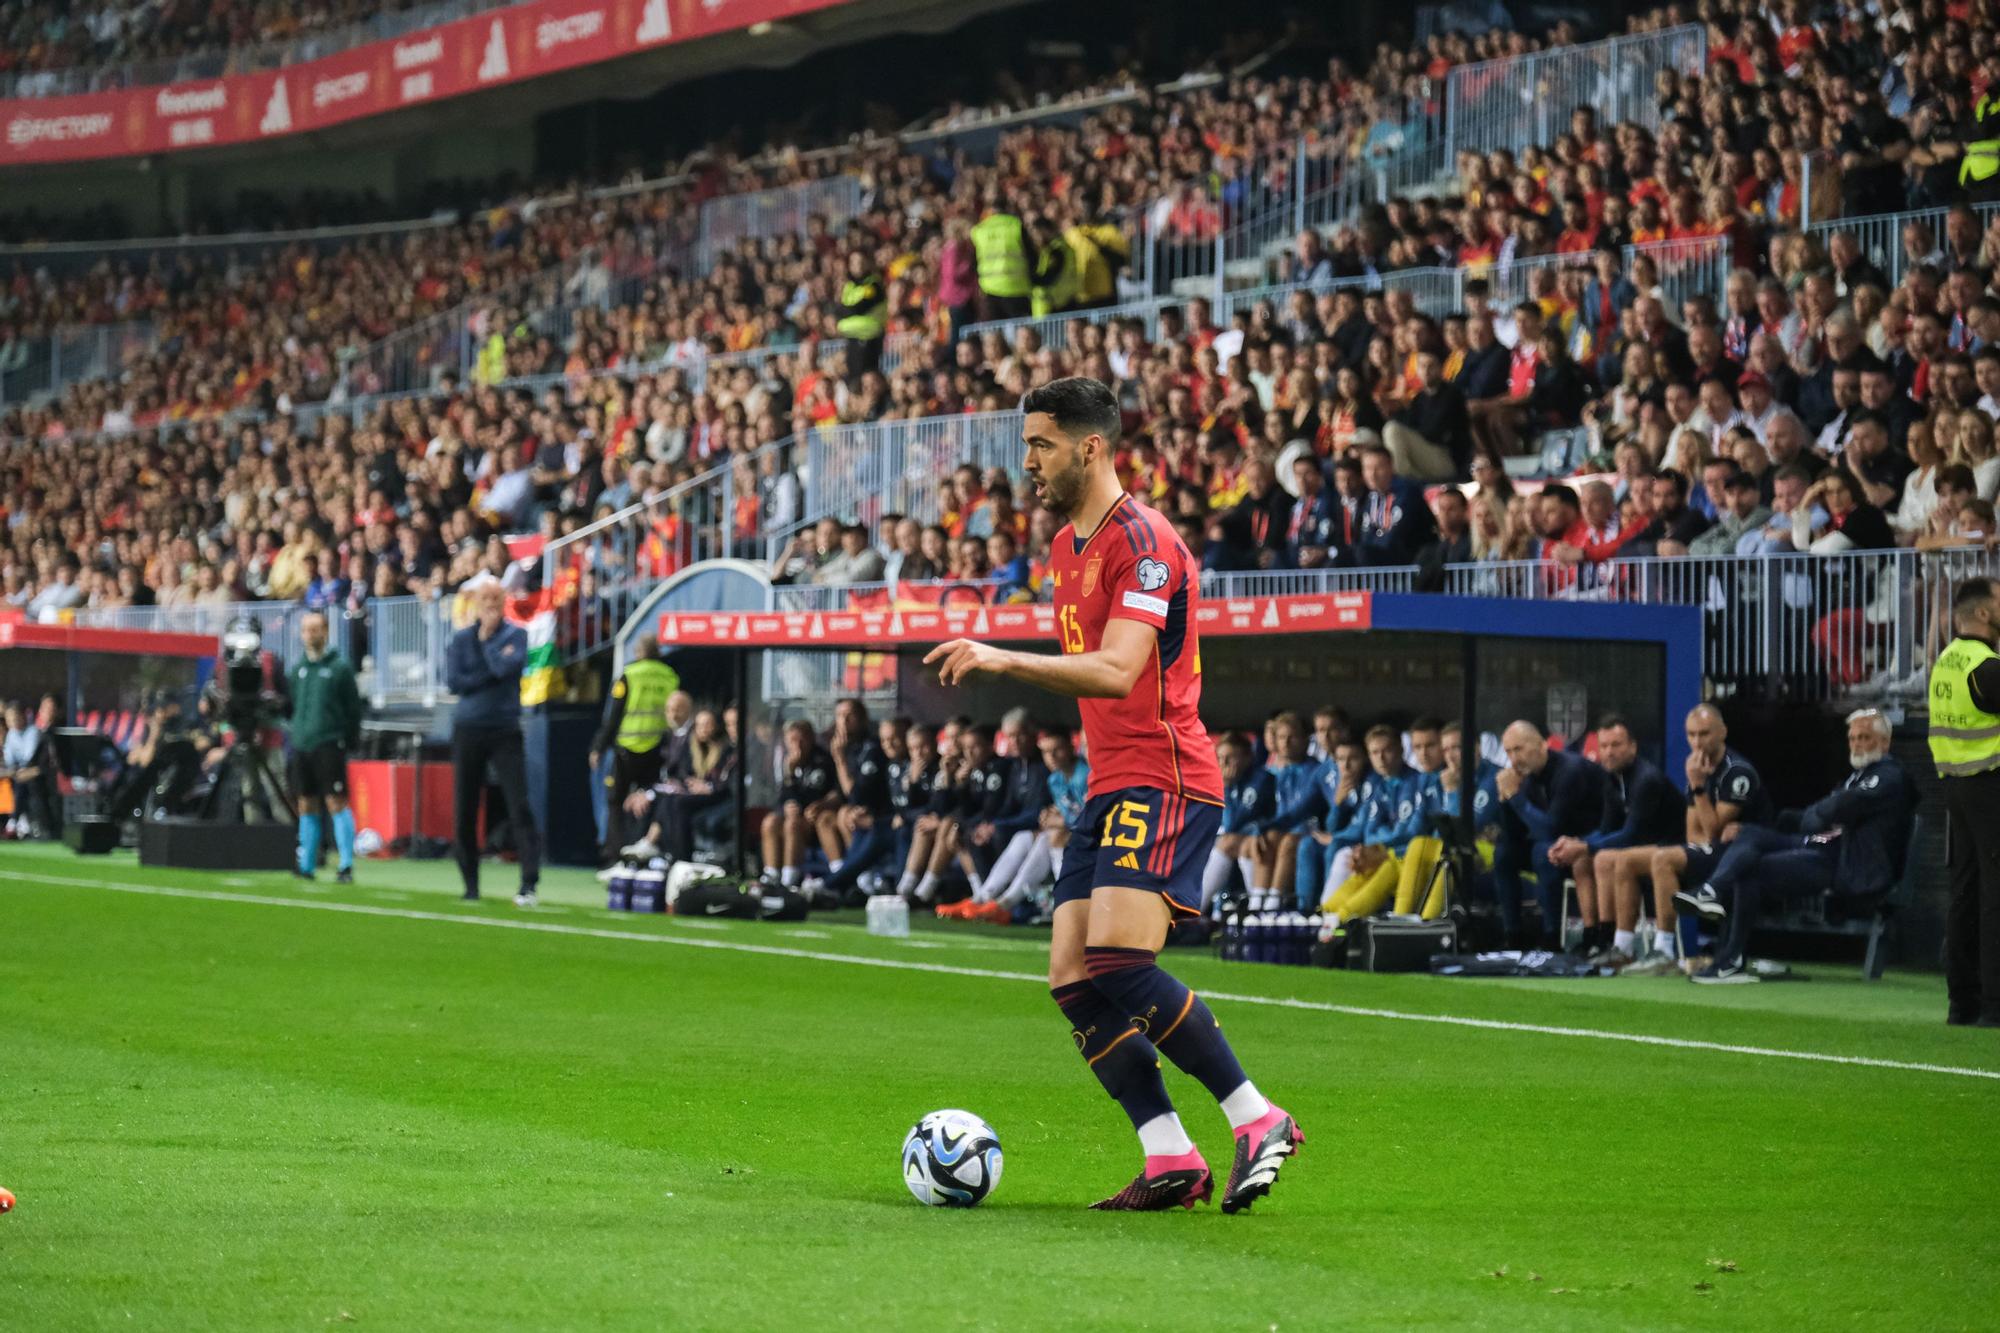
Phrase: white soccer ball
[951,1159]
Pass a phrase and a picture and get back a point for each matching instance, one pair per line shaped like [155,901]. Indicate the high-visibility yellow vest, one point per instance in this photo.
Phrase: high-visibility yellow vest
[1002,256]
[1056,278]
[1980,162]
[1096,283]
[867,324]
[1964,740]
[491,367]
[644,687]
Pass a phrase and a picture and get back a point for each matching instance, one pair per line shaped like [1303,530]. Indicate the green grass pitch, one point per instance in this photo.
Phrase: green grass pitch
[225,1113]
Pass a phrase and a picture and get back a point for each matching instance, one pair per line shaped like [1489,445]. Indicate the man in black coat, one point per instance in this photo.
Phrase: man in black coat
[1851,841]
[1552,795]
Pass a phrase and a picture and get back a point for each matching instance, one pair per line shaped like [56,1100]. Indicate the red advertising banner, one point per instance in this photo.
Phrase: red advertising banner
[487,50]
[74,638]
[884,627]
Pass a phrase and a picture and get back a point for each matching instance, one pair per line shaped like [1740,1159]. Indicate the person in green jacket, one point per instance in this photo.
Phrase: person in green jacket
[326,724]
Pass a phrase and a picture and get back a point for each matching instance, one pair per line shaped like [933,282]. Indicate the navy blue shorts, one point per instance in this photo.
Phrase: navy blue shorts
[1702,862]
[1140,838]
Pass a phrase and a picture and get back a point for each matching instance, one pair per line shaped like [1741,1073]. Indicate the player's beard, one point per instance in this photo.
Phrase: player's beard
[1063,491]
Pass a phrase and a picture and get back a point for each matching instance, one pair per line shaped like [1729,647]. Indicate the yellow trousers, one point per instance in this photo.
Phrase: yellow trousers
[1405,877]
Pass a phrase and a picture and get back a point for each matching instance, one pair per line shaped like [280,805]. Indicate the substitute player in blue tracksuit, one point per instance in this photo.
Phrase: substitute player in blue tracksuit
[1386,865]
[1329,810]
[1249,797]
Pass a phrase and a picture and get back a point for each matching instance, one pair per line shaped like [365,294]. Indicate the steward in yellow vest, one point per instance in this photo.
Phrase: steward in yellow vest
[1965,743]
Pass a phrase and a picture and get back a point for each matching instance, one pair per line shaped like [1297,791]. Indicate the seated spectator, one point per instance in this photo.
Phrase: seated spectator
[1742,518]
[1832,518]
[1431,438]
[1851,843]
[1396,520]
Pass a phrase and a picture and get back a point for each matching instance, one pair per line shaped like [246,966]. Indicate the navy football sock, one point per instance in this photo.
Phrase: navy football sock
[1118,1053]
[1175,1020]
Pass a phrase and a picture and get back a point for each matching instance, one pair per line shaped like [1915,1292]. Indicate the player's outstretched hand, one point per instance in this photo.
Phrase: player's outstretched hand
[961,658]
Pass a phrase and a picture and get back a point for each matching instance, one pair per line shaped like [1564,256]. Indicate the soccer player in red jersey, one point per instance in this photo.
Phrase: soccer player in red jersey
[1125,591]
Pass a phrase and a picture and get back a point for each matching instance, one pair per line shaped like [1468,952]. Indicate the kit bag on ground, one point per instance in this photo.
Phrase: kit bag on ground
[745,901]
[1388,944]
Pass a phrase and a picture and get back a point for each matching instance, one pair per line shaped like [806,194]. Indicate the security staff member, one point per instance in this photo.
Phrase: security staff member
[1101,250]
[1000,251]
[1851,842]
[1058,275]
[864,314]
[326,724]
[483,666]
[636,723]
[1965,744]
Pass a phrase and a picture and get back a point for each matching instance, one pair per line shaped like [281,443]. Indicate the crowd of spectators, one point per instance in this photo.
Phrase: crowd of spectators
[44,37]
[1809,405]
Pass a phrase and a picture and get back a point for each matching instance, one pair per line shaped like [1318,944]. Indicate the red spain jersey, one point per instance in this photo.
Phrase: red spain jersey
[1135,567]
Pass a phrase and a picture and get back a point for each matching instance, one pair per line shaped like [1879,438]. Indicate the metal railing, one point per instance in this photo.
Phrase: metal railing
[248,59]
[67,256]
[1806,627]
[861,472]
[37,366]
[1515,101]
[787,210]
[1880,235]
[1318,181]
[396,644]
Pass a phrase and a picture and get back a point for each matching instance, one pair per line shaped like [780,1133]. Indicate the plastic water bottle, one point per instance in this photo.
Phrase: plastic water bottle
[1295,939]
[889,915]
[1257,939]
[618,890]
[649,891]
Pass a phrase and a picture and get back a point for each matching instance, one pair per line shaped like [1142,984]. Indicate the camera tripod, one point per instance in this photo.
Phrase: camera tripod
[244,783]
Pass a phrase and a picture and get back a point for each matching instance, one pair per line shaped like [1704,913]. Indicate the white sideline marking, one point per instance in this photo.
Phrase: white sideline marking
[949,969]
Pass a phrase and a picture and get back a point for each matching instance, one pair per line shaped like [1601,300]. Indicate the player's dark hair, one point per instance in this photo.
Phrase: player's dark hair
[1971,593]
[986,732]
[1427,723]
[1618,720]
[1078,405]
[1563,494]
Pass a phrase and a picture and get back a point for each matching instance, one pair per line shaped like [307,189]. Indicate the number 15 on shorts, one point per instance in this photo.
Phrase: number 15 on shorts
[1125,825]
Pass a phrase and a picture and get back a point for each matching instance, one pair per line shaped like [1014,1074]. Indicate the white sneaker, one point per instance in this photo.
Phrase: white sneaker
[525,898]
[643,850]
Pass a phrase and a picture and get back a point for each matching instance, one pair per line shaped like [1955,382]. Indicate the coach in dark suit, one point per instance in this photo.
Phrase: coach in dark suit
[483,668]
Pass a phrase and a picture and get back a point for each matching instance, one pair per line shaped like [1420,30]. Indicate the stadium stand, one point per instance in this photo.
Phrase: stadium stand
[1655,309]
